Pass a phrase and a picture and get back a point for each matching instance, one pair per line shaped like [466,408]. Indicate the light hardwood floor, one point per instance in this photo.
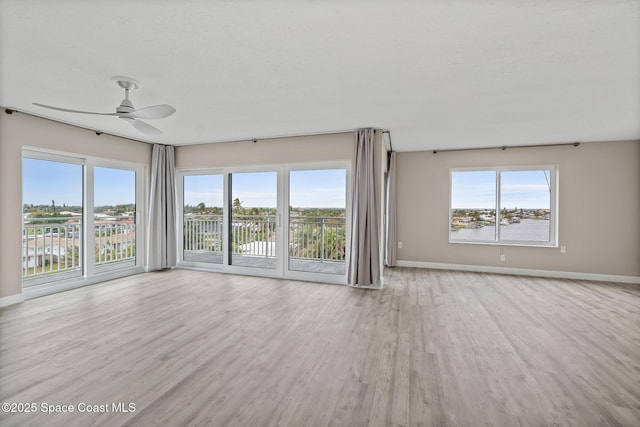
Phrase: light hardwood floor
[434,348]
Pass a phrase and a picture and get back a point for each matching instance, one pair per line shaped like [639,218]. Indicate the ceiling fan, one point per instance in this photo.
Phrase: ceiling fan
[126,111]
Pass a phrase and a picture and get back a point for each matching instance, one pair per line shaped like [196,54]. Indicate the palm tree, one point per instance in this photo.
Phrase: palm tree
[237,205]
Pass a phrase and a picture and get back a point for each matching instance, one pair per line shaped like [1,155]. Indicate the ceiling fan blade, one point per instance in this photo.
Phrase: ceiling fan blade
[146,128]
[153,112]
[74,111]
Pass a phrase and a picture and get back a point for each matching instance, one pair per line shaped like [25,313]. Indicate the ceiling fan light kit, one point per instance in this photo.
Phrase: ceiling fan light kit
[126,111]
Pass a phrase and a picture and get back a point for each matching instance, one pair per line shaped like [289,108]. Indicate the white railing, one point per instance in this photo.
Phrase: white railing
[203,233]
[54,245]
[49,248]
[310,238]
[317,238]
[254,235]
[115,240]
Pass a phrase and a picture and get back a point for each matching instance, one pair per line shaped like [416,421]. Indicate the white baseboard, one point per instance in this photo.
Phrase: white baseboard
[11,299]
[522,271]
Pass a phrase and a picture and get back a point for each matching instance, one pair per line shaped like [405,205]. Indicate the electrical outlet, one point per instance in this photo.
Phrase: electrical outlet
[503,257]
[399,245]
[563,249]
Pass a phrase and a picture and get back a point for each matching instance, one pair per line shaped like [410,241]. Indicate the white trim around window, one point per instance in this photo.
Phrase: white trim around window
[90,274]
[507,205]
[283,197]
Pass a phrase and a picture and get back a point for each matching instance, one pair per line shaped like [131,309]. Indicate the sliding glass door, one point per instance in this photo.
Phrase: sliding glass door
[254,220]
[80,219]
[281,221]
[203,218]
[114,213]
[52,241]
[317,221]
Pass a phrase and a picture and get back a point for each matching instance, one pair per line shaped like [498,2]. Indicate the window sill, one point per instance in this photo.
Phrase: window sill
[523,244]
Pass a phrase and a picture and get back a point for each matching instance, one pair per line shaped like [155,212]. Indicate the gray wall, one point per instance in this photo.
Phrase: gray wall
[599,205]
[301,149]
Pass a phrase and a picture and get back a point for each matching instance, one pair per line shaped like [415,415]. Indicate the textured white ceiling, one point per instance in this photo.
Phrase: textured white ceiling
[437,74]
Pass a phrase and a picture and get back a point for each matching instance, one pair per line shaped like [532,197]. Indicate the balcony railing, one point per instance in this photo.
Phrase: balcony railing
[254,235]
[49,247]
[317,238]
[310,238]
[54,245]
[115,240]
[203,234]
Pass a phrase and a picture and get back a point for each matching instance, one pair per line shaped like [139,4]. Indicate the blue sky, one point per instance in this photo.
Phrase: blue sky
[45,181]
[318,189]
[255,189]
[113,186]
[204,188]
[521,189]
[313,188]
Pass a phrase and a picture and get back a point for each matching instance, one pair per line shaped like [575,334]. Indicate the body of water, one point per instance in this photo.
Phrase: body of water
[531,230]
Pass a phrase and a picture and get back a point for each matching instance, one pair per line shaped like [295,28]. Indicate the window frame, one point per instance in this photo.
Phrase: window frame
[90,274]
[180,176]
[283,170]
[311,166]
[54,157]
[91,164]
[553,205]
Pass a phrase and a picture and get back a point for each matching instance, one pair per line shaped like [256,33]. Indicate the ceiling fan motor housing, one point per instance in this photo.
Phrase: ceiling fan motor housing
[126,106]
[128,84]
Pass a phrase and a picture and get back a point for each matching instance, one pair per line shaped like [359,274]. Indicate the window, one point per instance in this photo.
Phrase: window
[273,220]
[317,220]
[80,219]
[52,211]
[203,218]
[255,219]
[114,213]
[504,205]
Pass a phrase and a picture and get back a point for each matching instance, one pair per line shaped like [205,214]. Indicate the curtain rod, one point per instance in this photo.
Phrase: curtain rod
[254,140]
[504,147]
[10,111]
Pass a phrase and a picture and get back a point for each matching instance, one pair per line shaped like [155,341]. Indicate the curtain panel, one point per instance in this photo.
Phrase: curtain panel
[391,252]
[161,224]
[364,260]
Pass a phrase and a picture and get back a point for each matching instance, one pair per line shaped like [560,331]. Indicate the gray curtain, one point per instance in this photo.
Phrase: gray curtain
[161,226]
[364,259]
[391,253]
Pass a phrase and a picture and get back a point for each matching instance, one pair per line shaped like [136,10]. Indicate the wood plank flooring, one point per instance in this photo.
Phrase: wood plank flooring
[434,348]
